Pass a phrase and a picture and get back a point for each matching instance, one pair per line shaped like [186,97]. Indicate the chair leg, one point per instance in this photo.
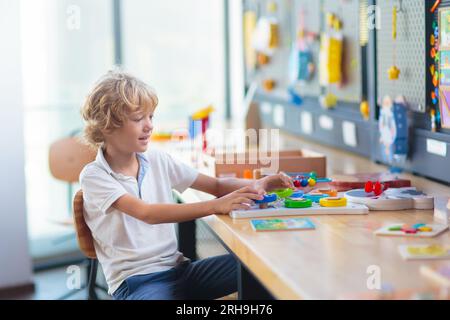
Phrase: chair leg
[92,277]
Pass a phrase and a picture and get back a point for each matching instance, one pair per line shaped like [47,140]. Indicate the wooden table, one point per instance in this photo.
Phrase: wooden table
[333,260]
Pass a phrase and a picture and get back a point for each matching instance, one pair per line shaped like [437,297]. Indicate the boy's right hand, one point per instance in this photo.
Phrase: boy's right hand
[237,200]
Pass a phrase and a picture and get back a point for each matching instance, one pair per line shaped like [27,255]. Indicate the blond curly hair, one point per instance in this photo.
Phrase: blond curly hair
[113,98]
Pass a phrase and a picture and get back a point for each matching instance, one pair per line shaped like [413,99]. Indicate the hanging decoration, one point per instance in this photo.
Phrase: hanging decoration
[301,64]
[393,130]
[331,54]
[394,71]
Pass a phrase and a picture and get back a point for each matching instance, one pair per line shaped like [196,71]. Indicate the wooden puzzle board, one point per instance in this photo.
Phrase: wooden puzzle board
[316,209]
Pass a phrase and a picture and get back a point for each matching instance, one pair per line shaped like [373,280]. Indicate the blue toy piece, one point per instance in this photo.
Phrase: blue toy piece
[304,182]
[315,197]
[297,194]
[268,198]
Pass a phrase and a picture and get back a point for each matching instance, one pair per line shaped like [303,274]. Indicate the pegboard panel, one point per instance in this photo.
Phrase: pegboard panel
[312,22]
[348,11]
[410,52]
[277,69]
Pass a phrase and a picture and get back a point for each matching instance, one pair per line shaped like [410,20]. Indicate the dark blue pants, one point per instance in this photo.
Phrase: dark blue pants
[209,278]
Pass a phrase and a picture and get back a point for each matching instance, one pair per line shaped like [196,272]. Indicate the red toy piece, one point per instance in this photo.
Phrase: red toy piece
[377,188]
[368,187]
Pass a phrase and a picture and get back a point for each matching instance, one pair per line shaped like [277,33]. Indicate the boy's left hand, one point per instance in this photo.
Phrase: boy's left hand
[270,183]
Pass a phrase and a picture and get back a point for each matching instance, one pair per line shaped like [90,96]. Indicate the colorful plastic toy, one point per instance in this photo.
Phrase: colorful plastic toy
[283,193]
[201,116]
[377,188]
[315,197]
[418,230]
[297,203]
[333,202]
[268,198]
[302,180]
[328,191]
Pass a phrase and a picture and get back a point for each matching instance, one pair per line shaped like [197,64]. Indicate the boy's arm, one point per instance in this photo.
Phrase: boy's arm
[170,213]
[222,186]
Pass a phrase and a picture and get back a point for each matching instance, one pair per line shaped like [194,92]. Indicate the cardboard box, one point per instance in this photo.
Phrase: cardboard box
[234,164]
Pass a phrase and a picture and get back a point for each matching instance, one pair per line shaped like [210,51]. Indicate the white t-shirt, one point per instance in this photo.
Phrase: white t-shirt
[127,246]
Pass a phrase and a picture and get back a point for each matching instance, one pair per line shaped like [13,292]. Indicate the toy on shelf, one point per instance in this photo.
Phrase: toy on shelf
[419,230]
[266,34]
[364,109]
[435,6]
[393,129]
[394,71]
[301,64]
[434,71]
[200,117]
[443,56]
[359,180]
[249,25]
[392,199]
[164,136]
[331,57]
[268,84]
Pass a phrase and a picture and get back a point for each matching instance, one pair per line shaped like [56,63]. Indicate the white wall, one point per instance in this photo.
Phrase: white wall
[15,261]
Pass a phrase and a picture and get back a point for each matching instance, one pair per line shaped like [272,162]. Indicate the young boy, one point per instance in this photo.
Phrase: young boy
[129,205]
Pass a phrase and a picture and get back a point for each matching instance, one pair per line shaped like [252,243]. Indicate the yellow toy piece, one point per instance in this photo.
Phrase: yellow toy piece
[393,73]
[274,38]
[311,182]
[203,113]
[250,20]
[272,7]
[331,50]
[333,202]
[365,110]
[394,22]
[329,101]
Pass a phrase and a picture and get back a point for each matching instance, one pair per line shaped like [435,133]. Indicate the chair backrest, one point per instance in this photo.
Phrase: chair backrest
[84,235]
[68,156]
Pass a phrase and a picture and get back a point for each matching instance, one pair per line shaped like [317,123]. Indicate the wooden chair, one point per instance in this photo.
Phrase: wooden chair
[86,244]
[67,157]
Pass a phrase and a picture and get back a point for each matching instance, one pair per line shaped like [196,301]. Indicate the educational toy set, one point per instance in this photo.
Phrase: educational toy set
[287,202]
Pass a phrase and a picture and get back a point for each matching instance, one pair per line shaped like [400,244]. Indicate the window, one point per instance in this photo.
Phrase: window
[178,48]
[66,46]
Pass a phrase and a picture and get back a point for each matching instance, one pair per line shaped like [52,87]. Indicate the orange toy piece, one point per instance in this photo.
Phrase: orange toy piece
[268,84]
[328,191]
